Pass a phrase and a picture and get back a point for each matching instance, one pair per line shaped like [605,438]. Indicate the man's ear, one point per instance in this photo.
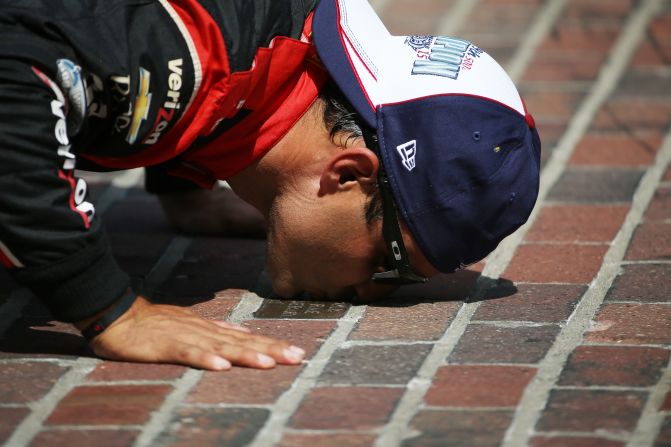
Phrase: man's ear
[348,167]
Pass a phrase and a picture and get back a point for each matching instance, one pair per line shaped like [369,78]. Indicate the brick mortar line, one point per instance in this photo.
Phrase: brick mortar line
[625,345]
[542,23]
[659,261]
[611,436]
[643,389]
[160,419]
[288,402]
[651,420]
[417,387]
[24,360]
[451,21]
[537,392]
[40,410]
[662,303]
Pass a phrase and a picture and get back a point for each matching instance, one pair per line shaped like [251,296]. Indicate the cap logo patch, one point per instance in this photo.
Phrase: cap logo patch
[407,151]
[446,57]
[419,42]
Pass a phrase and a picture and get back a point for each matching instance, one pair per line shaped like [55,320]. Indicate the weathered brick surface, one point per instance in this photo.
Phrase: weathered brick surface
[213,426]
[113,405]
[617,149]
[664,437]
[326,440]
[573,441]
[577,223]
[614,366]
[490,344]
[541,303]
[10,418]
[405,319]
[478,386]
[27,382]
[458,428]
[248,386]
[108,371]
[592,410]
[632,323]
[652,240]
[332,408]
[660,205]
[374,365]
[666,405]
[644,283]
[567,263]
[83,438]
[596,185]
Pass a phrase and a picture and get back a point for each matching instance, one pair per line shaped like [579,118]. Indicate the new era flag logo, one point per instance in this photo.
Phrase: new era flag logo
[407,152]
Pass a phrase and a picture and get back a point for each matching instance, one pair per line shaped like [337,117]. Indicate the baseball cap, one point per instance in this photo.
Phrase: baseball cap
[460,150]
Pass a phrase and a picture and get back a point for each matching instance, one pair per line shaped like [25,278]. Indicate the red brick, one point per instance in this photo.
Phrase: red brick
[652,240]
[655,51]
[27,382]
[85,438]
[633,112]
[451,428]
[244,386]
[664,437]
[326,440]
[666,405]
[592,410]
[308,335]
[114,405]
[249,386]
[486,385]
[632,324]
[108,371]
[660,206]
[407,17]
[482,343]
[549,103]
[577,223]
[617,149]
[573,441]
[346,408]
[213,427]
[10,418]
[644,283]
[403,319]
[614,366]
[542,303]
[565,263]
[597,9]
[220,306]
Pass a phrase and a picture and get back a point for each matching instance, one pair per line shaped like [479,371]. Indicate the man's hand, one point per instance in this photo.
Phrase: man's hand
[170,334]
[216,212]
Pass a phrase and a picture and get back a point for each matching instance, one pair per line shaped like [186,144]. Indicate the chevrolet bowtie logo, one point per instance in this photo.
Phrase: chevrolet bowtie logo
[140,106]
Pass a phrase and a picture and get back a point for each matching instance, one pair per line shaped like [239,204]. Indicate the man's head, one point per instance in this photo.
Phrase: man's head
[430,136]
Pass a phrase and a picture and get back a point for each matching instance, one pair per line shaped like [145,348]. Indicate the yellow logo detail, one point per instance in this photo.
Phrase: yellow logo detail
[140,106]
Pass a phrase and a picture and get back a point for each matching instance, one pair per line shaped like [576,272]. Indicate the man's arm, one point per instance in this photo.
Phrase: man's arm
[52,242]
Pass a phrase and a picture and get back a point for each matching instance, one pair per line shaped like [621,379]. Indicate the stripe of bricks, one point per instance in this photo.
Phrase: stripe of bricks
[536,394]
[392,433]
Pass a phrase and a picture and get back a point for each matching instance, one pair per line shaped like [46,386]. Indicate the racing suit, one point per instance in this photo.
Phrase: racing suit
[197,89]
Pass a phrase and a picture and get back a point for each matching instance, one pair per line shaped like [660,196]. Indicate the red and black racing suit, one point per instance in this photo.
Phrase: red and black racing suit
[186,86]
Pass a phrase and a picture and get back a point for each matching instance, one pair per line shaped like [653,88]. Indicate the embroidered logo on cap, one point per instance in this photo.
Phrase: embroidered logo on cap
[407,151]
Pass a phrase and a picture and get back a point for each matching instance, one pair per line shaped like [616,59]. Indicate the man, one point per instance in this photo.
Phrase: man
[375,160]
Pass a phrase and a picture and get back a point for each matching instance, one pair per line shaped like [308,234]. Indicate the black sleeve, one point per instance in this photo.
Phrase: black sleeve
[157,180]
[50,238]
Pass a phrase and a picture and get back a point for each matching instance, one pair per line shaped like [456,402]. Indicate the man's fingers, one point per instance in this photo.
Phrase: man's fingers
[243,356]
[235,327]
[198,357]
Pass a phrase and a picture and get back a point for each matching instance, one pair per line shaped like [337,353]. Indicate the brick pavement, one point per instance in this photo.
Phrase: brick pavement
[561,338]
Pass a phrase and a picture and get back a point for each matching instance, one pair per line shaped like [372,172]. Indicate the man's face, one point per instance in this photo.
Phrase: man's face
[322,245]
